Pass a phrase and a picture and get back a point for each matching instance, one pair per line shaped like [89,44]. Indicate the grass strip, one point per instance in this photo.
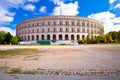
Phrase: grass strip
[13,52]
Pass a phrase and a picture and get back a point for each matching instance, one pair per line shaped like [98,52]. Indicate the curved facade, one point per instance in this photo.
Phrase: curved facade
[58,28]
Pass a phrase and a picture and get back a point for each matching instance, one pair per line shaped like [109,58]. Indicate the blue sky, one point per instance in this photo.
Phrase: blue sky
[14,11]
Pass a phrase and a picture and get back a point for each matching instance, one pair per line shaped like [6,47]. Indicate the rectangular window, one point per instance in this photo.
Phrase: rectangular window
[48,30]
[60,23]
[60,30]
[73,30]
[73,23]
[42,30]
[48,23]
[54,30]
[37,30]
[78,30]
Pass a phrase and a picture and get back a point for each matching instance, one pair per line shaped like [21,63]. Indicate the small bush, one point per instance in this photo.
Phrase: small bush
[15,71]
[81,42]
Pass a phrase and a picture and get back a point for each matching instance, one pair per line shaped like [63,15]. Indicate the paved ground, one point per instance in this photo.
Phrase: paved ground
[82,57]
[66,57]
[50,77]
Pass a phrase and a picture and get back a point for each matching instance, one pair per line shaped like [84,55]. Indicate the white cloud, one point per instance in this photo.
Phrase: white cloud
[57,1]
[117,6]
[111,1]
[5,16]
[43,9]
[66,9]
[32,0]
[29,7]
[7,29]
[5,5]
[109,20]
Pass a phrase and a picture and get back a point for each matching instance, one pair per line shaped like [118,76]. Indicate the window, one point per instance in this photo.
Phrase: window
[73,23]
[60,29]
[32,37]
[33,25]
[73,30]
[33,31]
[54,30]
[37,24]
[60,23]
[48,23]
[37,37]
[42,30]
[87,24]
[43,23]
[78,30]
[83,30]
[37,30]
[48,30]
[91,25]
[66,30]
[87,30]
[54,23]
[66,23]
[91,31]
[78,23]
[83,23]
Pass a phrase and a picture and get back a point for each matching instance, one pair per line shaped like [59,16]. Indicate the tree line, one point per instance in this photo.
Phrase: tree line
[7,38]
[111,37]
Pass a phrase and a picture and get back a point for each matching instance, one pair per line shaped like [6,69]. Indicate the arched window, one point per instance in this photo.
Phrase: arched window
[83,37]
[66,37]
[28,38]
[48,37]
[54,37]
[78,37]
[42,37]
[60,37]
[72,37]
[32,37]
[24,38]
[37,37]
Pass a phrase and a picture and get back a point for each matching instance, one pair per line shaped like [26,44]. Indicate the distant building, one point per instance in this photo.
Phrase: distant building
[57,28]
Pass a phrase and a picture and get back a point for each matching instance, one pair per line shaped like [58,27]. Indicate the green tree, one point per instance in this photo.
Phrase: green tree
[15,40]
[2,37]
[8,37]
